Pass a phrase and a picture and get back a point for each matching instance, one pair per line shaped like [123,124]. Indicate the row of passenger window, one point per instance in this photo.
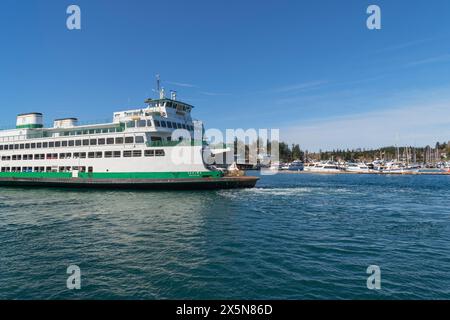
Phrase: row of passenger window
[73,143]
[84,155]
[47,169]
[159,124]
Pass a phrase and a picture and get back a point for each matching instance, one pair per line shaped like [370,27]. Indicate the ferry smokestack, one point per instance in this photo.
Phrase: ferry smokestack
[31,120]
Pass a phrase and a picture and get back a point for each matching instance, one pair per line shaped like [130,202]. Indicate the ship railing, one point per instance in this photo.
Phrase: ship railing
[182,143]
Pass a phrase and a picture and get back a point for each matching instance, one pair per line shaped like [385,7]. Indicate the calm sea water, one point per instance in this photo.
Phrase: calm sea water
[292,237]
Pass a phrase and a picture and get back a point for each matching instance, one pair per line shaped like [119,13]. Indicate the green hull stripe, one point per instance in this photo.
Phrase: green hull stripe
[112,175]
[30,126]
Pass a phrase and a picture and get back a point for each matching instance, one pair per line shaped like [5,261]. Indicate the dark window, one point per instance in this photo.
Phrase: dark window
[137,153]
[83,155]
[93,142]
[179,125]
[127,154]
[131,124]
[129,139]
[71,143]
[78,143]
[163,124]
[101,141]
[39,145]
[119,140]
[57,144]
[142,123]
[91,155]
[116,154]
[157,124]
[169,124]
[99,154]
[108,154]
[149,123]
[33,146]
[149,153]
[44,144]
[139,139]
[22,146]
[159,153]
[51,144]
[85,142]
[64,143]
[110,141]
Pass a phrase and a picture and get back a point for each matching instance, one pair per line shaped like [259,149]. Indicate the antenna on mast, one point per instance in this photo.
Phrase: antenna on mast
[158,83]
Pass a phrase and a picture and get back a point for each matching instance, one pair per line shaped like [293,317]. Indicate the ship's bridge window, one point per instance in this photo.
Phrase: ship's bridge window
[157,124]
[63,143]
[85,142]
[139,139]
[163,124]
[142,123]
[169,124]
[78,143]
[33,146]
[131,124]
[110,141]
[93,142]
[51,144]
[71,143]
[57,144]
[149,123]
[101,141]
[129,139]
[44,144]
[156,139]
[22,146]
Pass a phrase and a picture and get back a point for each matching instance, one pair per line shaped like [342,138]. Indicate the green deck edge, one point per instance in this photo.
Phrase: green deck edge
[112,175]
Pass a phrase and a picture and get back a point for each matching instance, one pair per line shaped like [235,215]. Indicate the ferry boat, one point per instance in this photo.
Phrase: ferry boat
[135,150]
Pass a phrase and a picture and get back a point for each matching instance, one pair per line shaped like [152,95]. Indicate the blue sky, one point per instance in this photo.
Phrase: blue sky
[310,68]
